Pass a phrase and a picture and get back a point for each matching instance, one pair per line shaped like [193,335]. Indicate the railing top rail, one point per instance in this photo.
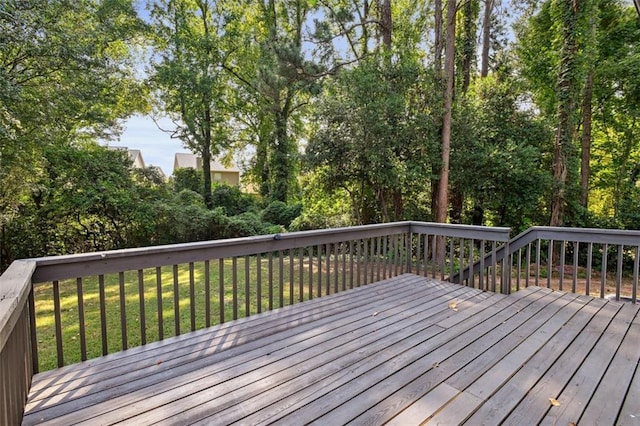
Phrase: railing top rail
[500,234]
[78,265]
[15,285]
[588,235]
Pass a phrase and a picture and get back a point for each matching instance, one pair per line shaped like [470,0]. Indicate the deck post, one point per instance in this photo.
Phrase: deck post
[506,271]
[16,335]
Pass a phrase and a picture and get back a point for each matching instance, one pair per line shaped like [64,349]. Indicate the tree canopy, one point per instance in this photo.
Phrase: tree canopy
[340,112]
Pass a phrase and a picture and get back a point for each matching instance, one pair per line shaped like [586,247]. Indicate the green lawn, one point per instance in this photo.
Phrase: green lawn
[71,336]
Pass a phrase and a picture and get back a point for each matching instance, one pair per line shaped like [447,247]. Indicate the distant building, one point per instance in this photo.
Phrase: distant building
[219,172]
[135,155]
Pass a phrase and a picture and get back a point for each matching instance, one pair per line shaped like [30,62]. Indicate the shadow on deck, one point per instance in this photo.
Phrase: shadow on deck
[404,350]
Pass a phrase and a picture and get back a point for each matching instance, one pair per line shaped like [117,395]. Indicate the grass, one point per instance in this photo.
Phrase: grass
[283,289]
[278,288]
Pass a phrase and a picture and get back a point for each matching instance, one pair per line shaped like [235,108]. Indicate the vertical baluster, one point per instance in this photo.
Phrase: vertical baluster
[518,266]
[550,264]
[358,263]
[538,259]
[123,311]
[434,255]
[281,278]
[192,295]
[159,300]
[143,315]
[451,258]
[58,322]
[365,251]
[351,264]
[528,260]
[396,252]
[176,300]
[481,284]
[603,277]
[404,253]
[35,364]
[461,260]
[291,273]
[336,266]
[247,287]
[589,264]
[259,282]
[234,287]
[270,278]
[425,255]
[83,334]
[494,265]
[344,265]
[311,273]
[327,284]
[418,254]
[576,248]
[379,259]
[319,292]
[472,278]
[636,267]
[221,289]
[619,272]
[443,260]
[301,278]
[562,263]
[385,256]
[103,315]
[207,293]
[372,259]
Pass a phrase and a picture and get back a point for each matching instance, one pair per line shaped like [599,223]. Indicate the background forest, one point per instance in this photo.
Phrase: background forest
[492,112]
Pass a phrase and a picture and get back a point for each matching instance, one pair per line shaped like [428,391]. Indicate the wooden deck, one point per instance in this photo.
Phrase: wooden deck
[405,351]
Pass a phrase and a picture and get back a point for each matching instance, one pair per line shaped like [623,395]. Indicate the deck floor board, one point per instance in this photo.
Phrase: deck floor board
[405,350]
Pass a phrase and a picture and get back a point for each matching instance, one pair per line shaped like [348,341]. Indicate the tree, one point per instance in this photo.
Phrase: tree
[375,139]
[67,74]
[486,37]
[442,200]
[188,75]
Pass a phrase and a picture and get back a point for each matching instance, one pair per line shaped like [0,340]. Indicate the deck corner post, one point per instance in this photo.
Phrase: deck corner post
[506,271]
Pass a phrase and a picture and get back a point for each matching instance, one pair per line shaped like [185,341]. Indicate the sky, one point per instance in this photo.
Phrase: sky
[157,147]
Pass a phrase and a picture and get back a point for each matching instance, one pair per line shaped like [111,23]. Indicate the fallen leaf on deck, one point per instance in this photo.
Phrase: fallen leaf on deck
[375,313]
[453,306]
[554,402]
[159,362]
[436,364]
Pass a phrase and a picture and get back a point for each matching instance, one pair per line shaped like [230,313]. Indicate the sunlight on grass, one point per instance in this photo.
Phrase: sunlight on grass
[283,287]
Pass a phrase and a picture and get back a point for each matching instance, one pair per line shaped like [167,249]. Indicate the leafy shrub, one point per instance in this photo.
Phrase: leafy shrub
[279,213]
[232,200]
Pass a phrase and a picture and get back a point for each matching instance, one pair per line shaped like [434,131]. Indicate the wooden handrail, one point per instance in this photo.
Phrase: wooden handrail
[16,352]
[410,246]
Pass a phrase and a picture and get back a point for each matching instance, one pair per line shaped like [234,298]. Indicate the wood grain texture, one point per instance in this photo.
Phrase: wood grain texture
[406,350]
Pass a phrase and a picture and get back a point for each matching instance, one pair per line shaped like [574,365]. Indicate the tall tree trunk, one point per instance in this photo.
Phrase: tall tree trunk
[365,29]
[281,163]
[437,67]
[206,162]
[566,88]
[486,37]
[386,24]
[585,169]
[449,70]
[471,10]
[437,40]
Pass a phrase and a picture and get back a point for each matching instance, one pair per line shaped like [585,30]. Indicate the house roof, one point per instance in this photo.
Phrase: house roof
[135,155]
[186,160]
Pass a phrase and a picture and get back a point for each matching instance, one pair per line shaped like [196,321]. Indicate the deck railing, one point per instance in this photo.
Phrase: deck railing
[59,310]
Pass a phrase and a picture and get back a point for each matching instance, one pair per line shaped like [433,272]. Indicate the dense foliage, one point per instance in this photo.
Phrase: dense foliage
[349,112]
